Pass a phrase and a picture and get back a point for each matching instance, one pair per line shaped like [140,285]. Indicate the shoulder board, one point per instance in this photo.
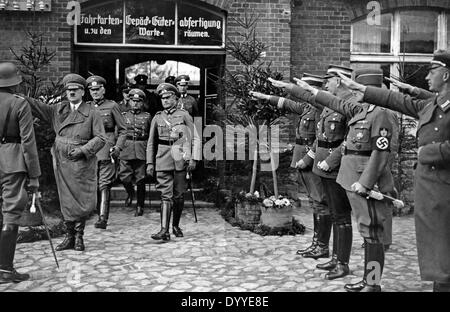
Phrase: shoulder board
[371,108]
[158,113]
[124,113]
[146,113]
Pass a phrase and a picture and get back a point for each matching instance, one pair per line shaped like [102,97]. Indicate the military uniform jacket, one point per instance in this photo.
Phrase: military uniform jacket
[432,177]
[21,156]
[188,103]
[330,133]
[370,132]
[112,118]
[306,127]
[137,131]
[171,142]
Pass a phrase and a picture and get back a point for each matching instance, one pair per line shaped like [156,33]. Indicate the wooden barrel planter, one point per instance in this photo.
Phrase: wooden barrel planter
[248,213]
[276,218]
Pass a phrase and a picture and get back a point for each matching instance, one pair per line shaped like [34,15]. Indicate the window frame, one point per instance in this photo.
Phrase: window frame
[396,55]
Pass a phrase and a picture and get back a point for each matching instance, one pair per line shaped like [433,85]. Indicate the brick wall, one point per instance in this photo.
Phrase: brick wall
[320,35]
[56,36]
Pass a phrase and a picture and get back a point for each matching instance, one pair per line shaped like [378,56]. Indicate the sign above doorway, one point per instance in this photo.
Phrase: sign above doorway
[150,24]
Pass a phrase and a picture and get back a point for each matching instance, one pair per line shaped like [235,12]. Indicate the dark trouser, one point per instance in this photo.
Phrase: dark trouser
[132,171]
[338,202]
[315,190]
[14,196]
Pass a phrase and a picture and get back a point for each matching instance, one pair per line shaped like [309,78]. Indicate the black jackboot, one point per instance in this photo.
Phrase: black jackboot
[330,265]
[79,232]
[140,200]
[130,193]
[322,249]
[374,254]
[69,240]
[164,234]
[177,210]
[8,241]
[314,238]
[344,245]
[105,197]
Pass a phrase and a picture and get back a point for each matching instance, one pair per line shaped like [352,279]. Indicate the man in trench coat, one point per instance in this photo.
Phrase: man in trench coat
[79,136]
[432,175]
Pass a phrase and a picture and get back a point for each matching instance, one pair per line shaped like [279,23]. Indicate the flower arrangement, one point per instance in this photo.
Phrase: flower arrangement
[277,203]
[252,198]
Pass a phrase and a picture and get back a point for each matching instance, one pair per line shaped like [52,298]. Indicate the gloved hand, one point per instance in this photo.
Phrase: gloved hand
[192,165]
[359,189]
[76,154]
[114,151]
[150,170]
[300,164]
[33,185]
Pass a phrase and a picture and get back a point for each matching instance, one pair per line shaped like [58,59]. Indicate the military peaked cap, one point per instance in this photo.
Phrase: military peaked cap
[369,77]
[333,71]
[182,80]
[74,81]
[95,82]
[167,88]
[313,80]
[442,58]
[136,94]
[141,79]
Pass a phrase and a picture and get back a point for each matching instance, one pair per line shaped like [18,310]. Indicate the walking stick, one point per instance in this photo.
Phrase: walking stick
[33,210]
[189,178]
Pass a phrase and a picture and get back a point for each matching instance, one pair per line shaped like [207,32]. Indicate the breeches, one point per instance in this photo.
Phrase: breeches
[132,171]
[338,202]
[106,174]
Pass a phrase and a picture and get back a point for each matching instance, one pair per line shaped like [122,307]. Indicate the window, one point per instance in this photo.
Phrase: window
[402,44]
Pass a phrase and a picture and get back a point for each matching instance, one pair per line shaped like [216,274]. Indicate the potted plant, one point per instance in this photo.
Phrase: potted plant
[277,212]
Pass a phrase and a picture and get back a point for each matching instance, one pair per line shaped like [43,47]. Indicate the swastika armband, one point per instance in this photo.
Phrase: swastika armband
[311,154]
[381,143]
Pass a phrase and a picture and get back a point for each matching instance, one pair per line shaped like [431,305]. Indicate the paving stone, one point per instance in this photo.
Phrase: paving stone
[213,256]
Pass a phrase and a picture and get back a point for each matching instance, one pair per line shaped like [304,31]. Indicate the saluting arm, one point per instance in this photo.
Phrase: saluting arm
[288,105]
[44,112]
[397,101]
[348,108]
[309,157]
[421,94]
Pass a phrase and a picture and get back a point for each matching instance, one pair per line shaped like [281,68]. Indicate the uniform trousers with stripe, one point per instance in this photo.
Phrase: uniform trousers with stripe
[370,215]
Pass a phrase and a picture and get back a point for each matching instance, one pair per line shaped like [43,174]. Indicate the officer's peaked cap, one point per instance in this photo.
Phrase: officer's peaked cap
[182,80]
[369,77]
[9,75]
[313,80]
[333,71]
[95,82]
[71,81]
[442,58]
[136,94]
[167,88]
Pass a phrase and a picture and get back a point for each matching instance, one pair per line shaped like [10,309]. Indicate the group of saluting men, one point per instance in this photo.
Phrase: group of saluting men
[90,138]
[345,139]
[344,145]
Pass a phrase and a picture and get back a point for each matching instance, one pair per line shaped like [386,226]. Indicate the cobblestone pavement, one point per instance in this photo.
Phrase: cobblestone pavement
[213,256]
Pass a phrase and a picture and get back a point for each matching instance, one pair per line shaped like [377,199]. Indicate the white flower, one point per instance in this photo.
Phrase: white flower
[256,194]
[248,195]
[268,203]
[286,202]
[272,198]
[279,202]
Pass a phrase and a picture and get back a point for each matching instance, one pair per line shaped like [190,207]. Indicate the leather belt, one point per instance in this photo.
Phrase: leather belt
[132,138]
[360,153]
[71,141]
[110,130]
[303,141]
[11,140]
[325,144]
[165,142]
